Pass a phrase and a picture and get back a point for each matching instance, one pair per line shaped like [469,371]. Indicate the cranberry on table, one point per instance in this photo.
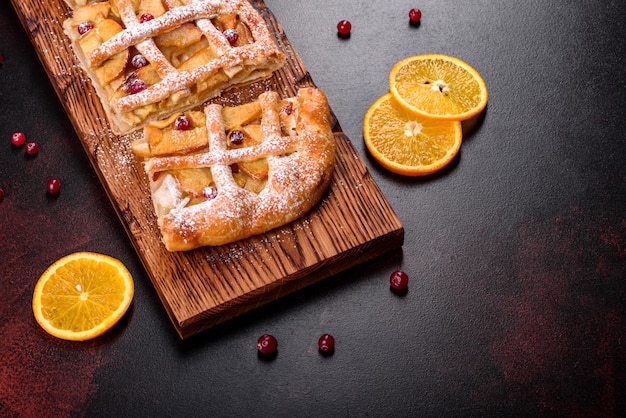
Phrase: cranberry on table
[344,27]
[415,15]
[18,139]
[326,343]
[399,280]
[32,148]
[267,344]
[53,186]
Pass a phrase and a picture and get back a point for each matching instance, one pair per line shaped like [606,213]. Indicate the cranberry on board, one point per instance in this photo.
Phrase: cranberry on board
[18,139]
[209,192]
[1,195]
[84,27]
[267,344]
[232,36]
[145,17]
[136,85]
[138,61]
[399,280]
[182,123]
[236,137]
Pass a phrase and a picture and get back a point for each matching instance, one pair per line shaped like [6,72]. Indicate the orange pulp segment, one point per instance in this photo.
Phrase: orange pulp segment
[82,295]
[408,144]
[438,86]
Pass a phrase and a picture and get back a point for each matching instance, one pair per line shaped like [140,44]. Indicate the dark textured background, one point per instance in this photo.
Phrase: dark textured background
[516,253]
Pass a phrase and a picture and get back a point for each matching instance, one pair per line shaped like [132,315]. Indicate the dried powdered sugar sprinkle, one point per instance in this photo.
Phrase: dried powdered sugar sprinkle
[298,166]
[173,80]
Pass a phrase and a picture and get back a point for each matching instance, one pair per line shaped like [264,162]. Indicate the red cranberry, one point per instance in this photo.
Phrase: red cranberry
[399,280]
[135,85]
[415,15]
[232,36]
[32,148]
[1,195]
[344,27]
[209,192]
[288,108]
[129,79]
[267,344]
[326,343]
[145,17]
[53,186]
[138,61]
[84,27]
[18,139]
[182,123]
[1,58]
[236,137]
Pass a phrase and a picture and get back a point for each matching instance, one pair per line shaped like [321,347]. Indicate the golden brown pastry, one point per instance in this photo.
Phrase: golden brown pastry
[226,174]
[150,58]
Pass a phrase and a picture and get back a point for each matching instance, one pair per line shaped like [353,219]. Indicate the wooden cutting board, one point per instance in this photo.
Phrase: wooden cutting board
[204,287]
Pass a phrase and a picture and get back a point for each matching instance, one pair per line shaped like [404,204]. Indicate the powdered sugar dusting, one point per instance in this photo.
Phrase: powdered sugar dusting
[296,178]
[135,33]
[255,61]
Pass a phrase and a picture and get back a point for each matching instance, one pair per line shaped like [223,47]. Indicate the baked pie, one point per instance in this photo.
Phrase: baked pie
[150,58]
[227,173]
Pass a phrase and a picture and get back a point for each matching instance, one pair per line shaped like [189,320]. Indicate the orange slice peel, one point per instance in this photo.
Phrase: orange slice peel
[408,144]
[438,86]
[82,295]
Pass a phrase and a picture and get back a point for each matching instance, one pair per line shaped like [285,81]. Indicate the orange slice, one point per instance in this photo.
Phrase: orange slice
[438,86]
[407,144]
[82,295]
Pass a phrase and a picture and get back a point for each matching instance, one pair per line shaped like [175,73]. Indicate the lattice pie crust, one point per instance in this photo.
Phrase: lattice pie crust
[234,172]
[190,53]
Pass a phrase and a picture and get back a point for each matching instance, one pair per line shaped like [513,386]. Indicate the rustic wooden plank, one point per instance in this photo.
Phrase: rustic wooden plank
[201,288]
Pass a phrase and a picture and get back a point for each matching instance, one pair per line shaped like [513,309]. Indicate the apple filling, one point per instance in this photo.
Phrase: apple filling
[229,172]
[149,58]
[242,127]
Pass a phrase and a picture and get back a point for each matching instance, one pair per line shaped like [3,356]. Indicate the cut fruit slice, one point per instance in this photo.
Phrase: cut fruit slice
[438,87]
[82,295]
[90,13]
[407,144]
[112,68]
[240,115]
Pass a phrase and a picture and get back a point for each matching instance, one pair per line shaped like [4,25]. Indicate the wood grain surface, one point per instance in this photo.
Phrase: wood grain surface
[201,288]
